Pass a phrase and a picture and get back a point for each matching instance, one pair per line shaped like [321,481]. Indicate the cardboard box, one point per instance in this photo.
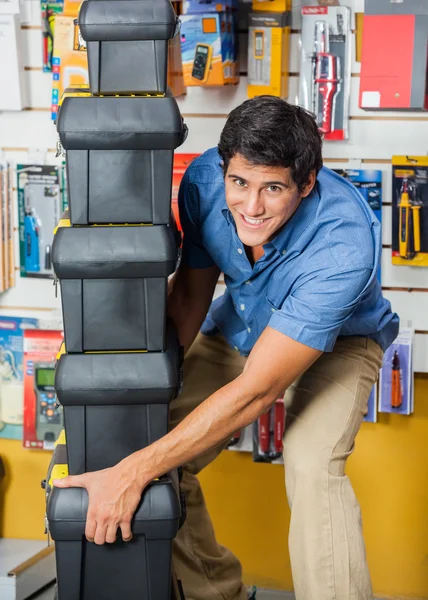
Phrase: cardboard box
[268,54]
[207,41]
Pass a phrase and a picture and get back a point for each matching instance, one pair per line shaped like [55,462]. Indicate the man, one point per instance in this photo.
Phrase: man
[302,312]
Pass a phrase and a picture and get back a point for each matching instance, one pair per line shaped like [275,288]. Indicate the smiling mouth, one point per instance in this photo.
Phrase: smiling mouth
[254,223]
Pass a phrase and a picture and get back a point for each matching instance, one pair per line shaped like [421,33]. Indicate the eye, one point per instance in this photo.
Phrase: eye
[240,182]
[274,188]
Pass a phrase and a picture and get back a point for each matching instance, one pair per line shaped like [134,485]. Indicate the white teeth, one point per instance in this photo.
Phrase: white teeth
[253,221]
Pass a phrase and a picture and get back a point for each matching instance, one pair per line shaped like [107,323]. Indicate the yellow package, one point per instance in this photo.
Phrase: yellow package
[272,5]
[268,54]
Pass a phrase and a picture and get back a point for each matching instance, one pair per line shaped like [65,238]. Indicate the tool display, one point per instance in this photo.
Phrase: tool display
[268,432]
[396,379]
[409,211]
[325,68]
[202,62]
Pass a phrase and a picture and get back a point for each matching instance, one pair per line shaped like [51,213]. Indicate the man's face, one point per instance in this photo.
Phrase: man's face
[261,199]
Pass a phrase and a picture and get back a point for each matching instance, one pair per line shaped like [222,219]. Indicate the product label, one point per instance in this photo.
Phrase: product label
[315,10]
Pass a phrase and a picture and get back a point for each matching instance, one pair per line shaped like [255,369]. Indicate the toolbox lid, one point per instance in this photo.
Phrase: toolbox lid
[156,517]
[127,20]
[88,122]
[115,252]
[120,378]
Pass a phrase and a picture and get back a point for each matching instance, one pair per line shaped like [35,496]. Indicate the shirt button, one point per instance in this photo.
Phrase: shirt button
[273,309]
[242,307]
[249,329]
[236,347]
[284,251]
[240,250]
[247,283]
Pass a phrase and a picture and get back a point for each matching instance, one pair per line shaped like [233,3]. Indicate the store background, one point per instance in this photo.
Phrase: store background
[247,500]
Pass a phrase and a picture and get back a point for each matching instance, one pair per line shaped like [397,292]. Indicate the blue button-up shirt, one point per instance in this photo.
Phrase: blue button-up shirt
[317,278]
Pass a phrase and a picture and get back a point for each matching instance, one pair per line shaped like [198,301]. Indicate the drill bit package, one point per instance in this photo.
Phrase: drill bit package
[396,376]
[409,211]
[325,68]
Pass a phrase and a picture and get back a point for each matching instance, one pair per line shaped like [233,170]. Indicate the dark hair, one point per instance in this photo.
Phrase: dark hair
[268,131]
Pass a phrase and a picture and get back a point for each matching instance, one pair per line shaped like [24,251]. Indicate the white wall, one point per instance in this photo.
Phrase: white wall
[374,138]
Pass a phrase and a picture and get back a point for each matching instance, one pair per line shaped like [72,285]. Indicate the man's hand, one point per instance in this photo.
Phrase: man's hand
[114,495]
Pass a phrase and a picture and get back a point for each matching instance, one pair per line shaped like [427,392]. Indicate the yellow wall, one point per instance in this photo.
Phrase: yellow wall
[389,471]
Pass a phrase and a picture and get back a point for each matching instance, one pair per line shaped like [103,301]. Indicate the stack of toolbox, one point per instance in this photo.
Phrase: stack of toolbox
[120,364]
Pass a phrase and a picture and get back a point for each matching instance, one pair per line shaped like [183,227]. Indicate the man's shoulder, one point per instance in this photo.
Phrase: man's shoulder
[206,168]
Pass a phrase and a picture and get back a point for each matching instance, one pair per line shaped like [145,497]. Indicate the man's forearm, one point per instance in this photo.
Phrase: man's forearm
[214,421]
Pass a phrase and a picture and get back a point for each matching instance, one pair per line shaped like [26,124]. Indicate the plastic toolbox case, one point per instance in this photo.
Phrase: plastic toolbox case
[135,570]
[114,285]
[119,155]
[127,43]
[116,404]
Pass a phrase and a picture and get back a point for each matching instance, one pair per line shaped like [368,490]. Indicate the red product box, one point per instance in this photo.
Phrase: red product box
[43,419]
[181,162]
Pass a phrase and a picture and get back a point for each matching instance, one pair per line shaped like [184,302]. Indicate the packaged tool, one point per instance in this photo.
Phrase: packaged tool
[208,47]
[113,393]
[114,285]
[127,44]
[50,10]
[119,147]
[268,53]
[40,203]
[43,417]
[7,260]
[396,380]
[410,211]
[325,68]
[12,374]
[268,432]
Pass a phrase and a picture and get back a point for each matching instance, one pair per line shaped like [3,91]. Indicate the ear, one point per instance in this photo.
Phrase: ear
[309,186]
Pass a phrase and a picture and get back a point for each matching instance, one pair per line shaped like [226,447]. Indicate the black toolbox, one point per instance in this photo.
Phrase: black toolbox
[114,285]
[127,44]
[117,403]
[135,570]
[119,155]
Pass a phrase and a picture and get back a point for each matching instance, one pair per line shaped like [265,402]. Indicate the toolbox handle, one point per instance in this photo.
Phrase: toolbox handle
[177,27]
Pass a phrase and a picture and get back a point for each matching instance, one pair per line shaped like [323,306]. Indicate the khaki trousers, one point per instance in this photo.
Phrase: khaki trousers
[325,408]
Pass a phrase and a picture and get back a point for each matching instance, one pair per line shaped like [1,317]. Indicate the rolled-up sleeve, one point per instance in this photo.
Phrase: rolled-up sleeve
[194,253]
[314,313]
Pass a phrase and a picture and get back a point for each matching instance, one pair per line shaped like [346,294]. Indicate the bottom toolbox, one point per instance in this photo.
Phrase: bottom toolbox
[135,570]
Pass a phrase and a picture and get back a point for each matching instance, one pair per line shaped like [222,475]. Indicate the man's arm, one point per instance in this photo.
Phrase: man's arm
[274,363]
[190,294]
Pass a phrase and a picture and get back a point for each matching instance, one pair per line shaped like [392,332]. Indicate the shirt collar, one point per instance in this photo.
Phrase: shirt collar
[293,228]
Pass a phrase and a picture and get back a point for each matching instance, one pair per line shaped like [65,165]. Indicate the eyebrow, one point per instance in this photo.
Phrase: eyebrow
[283,183]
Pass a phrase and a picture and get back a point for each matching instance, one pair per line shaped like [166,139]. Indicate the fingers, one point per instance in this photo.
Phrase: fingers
[125,527]
[70,481]
[100,534]
[91,526]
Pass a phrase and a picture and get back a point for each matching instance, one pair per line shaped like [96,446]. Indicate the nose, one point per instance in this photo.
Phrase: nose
[253,206]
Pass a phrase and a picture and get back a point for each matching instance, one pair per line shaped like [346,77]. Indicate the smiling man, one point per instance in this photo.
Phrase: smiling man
[302,312]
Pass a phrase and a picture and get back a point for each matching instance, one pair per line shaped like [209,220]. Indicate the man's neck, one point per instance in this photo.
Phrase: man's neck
[254,253]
